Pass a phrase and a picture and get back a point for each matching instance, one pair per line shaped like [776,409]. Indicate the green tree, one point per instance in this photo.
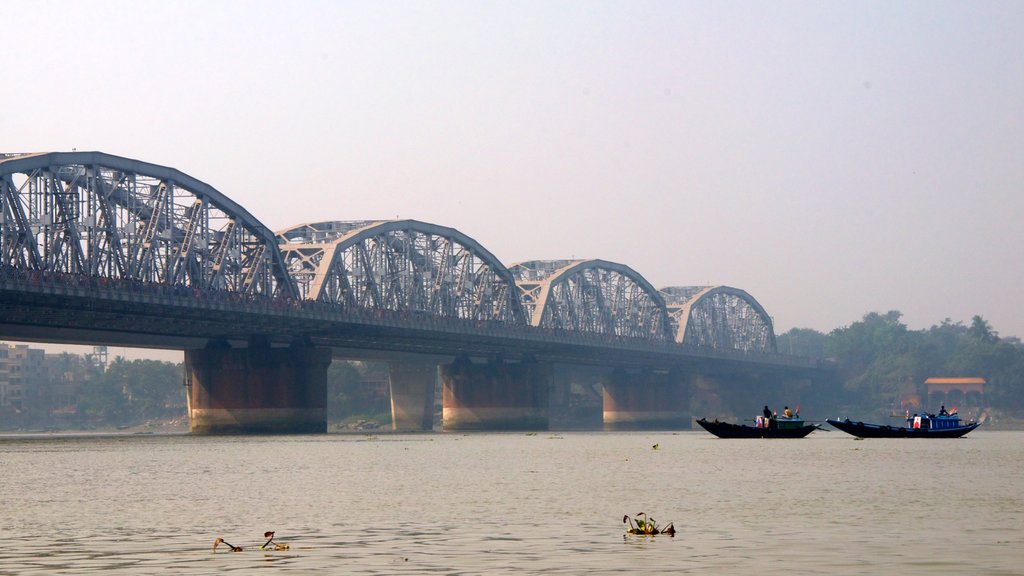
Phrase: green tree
[878,359]
[802,342]
[981,331]
[102,401]
[129,392]
[980,352]
[358,390]
[151,389]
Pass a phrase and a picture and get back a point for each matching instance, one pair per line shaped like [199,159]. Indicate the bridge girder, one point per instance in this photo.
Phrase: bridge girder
[591,296]
[103,216]
[403,265]
[99,215]
[719,317]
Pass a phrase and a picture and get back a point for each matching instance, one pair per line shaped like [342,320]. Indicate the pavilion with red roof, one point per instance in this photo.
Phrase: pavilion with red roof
[954,392]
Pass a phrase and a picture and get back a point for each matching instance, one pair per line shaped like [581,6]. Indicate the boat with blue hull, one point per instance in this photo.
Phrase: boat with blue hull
[923,426]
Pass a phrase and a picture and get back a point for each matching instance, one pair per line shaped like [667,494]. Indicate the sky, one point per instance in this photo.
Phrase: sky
[830,158]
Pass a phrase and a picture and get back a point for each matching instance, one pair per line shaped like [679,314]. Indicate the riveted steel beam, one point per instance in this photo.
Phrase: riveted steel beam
[94,214]
[591,296]
[403,265]
[719,317]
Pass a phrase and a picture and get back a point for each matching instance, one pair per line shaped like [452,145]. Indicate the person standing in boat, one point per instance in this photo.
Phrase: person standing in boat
[767,413]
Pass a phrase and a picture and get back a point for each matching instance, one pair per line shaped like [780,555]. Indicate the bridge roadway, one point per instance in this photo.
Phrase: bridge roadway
[83,310]
[98,249]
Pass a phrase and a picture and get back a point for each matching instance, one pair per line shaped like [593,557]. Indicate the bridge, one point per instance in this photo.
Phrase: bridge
[101,249]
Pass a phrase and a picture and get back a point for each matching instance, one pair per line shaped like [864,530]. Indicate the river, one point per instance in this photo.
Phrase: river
[515,503]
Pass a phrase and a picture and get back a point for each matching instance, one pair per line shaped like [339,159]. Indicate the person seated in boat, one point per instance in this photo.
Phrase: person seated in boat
[767,413]
[787,412]
[942,411]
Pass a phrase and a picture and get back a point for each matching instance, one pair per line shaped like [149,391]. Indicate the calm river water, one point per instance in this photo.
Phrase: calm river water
[512,504]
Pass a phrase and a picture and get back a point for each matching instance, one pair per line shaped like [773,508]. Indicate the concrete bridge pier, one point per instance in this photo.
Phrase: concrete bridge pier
[412,395]
[731,395]
[576,397]
[648,400]
[497,395]
[257,390]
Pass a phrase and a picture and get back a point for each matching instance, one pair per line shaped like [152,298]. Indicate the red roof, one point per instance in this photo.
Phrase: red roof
[954,381]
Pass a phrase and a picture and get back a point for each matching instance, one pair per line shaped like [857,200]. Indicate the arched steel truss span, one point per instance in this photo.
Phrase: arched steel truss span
[403,265]
[94,214]
[591,296]
[719,317]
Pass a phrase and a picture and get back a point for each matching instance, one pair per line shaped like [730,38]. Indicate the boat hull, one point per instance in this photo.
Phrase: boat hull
[726,430]
[862,430]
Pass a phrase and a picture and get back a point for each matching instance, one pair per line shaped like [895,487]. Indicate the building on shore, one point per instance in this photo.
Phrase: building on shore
[22,372]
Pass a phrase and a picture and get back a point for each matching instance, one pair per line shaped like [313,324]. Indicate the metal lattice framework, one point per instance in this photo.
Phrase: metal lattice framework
[89,213]
[591,296]
[719,317]
[402,265]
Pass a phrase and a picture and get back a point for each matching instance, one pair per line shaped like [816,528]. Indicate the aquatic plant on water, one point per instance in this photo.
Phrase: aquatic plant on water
[271,544]
[646,526]
[220,541]
[268,545]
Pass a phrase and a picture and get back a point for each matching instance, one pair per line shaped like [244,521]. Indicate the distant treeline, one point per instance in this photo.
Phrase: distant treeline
[879,360]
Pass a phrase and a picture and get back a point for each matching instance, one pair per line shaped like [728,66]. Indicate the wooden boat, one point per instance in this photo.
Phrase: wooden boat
[923,426]
[776,427]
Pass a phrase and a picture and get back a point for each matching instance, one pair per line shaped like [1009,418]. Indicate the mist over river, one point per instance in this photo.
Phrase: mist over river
[511,503]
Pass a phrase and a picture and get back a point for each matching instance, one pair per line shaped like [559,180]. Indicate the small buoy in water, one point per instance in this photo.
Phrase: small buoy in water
[655,447]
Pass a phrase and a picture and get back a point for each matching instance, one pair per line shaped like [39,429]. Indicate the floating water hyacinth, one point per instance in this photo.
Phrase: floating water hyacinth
[646,526]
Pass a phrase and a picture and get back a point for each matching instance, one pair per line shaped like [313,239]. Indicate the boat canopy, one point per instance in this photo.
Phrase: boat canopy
[933,422]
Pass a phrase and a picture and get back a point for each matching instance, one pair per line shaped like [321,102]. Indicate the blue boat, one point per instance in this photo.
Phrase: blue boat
[918,426]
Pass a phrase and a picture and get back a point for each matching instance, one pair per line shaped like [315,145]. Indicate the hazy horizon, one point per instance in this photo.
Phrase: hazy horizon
[831,159]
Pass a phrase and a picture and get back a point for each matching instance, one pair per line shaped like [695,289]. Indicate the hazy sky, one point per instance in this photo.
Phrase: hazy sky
[830,158]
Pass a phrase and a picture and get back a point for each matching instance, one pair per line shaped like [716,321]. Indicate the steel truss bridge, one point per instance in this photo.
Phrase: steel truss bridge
[96,248]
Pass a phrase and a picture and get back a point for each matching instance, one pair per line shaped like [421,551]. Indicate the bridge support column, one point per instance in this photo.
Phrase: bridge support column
[257,390]
[651,400]
[495,396]
[576,397]
[412,395]
[707,401]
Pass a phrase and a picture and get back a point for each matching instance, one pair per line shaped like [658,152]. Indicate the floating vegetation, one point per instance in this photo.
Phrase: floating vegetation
[268,545]
[220,541]
[271,544]
[646,526]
